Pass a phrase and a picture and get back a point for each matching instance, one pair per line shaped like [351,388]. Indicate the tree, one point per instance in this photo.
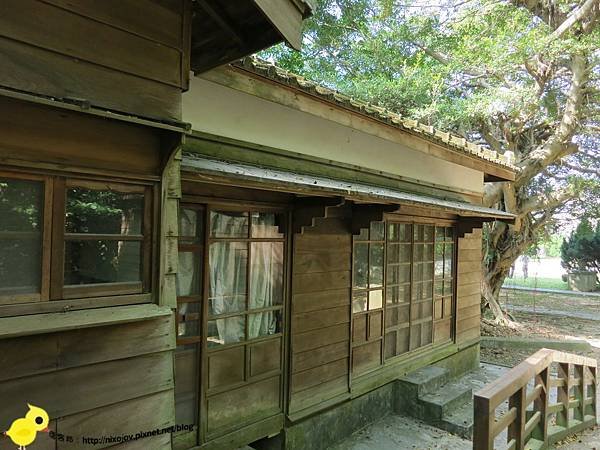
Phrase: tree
[581,251]
[521,77]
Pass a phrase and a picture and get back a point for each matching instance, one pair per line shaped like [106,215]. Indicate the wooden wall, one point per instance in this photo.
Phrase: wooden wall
[468,288]
[320,313]
[93,382]
[124,55]
[42,136]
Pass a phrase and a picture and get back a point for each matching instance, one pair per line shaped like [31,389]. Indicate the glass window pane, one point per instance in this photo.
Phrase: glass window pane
[447,287]
[226,331]
[439,288]
[189,274]
[102,261]
[266,274]
[188,326]
[191,224]
[393,253]
[449,253]
[440,233]
[393,232]
[405,232]
[264,324]
[449,233]
[376,266]
[228,224]
[377,231]
[428,233]
[418,253]
[20,265]
[21,204]
[375,299]
[361,265]
[428,271]
[419,233]
[103,212]
[359,301]
[428,252]
[186,384]
[267,225]
[227,277]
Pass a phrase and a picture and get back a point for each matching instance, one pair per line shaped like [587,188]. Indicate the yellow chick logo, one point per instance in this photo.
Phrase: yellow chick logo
[23,431]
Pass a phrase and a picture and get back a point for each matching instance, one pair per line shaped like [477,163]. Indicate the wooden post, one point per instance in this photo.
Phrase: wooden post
[516,430]
[540,404]
[562,416]
[579,390]
[483,438]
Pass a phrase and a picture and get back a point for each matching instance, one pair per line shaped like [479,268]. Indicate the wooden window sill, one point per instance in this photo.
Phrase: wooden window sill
[11,327]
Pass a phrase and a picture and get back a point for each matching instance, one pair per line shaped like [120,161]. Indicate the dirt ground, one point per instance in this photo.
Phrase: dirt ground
[557,325]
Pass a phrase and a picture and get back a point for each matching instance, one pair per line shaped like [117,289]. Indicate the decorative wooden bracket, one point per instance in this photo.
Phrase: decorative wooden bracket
[467,225]
[363,215]
[307,209]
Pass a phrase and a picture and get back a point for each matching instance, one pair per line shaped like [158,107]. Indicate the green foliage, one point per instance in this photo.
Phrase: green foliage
[581,251]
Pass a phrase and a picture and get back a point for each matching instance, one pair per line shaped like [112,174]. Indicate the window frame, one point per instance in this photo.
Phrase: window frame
[54,294]
[447,314]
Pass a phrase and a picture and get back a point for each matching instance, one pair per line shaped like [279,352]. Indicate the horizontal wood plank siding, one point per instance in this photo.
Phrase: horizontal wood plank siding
[320,328]
[61,139]
[101,381]
[468,288]
[123,56]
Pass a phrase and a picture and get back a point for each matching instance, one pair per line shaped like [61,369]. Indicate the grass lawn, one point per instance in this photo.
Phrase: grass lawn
[544,283]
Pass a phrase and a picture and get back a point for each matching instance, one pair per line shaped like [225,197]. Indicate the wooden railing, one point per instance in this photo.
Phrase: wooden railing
[535,417]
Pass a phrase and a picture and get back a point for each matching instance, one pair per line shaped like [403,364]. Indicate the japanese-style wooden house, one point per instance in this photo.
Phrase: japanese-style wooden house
[227,247]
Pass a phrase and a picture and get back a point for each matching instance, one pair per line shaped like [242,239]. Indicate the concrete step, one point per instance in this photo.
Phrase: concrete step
[459,421]
[445,400]
[426,380]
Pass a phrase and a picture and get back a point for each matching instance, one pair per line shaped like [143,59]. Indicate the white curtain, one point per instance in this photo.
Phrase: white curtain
[228,262]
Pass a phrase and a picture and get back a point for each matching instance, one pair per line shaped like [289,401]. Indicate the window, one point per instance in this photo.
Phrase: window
[419,286]
[403,281]
[21,239]
[367,297]
[245,291]
[63,238]
[230,292]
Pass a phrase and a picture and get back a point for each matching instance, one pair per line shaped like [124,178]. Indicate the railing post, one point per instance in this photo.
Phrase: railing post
[541,404]
[579,411]
[594,405]
[516,430]
[562,416]
[483,424]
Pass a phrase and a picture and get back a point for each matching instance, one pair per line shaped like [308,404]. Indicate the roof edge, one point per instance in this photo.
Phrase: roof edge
[445,139]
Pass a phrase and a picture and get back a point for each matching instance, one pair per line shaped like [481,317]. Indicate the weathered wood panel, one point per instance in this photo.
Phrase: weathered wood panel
[106,53]
[35,133]
[106,380]
[140,415]
[320,328]
[62,31]
[242,405]
[33,355]
[160,22]
[468,287]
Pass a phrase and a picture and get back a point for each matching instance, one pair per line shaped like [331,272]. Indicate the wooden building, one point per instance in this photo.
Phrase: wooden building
[241,251]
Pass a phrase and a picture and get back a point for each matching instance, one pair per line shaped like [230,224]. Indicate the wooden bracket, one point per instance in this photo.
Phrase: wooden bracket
[467,225]
[363,215]
[307,209]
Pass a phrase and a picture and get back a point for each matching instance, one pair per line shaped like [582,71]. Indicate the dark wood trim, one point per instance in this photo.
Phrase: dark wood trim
[72,304]
[57,271]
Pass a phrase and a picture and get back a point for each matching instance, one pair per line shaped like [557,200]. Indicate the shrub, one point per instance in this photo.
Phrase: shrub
[581,251]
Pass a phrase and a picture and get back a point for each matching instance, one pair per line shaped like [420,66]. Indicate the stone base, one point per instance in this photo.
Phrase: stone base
[326,428]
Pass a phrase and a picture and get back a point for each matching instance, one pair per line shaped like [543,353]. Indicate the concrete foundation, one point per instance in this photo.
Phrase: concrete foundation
[327,428]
